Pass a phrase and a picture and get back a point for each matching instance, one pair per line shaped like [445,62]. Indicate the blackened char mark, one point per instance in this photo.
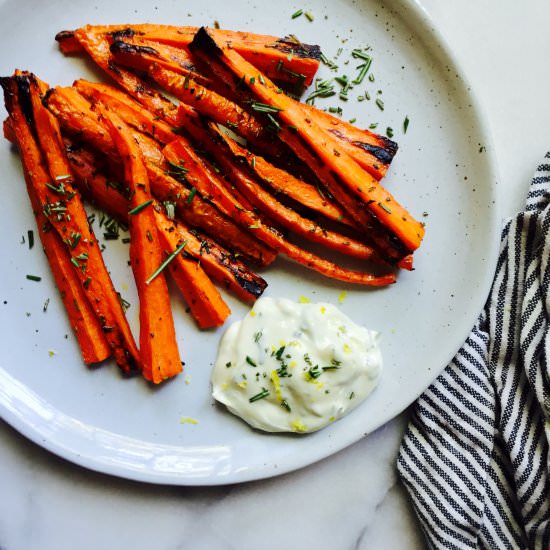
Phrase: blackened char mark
[64,35]
[124,33]
[24,92]
[299,49]
[253,287]
[383,153]
[202,41]
[118,46]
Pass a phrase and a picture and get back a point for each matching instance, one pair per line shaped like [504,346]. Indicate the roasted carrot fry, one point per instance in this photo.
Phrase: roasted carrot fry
[348,174]
[284,216]
[94,347]
[271,236]
[76,117]
[284,60]
[284,183]
[205,302]
[217,262]
[157,335]
[62,206]
[97,46]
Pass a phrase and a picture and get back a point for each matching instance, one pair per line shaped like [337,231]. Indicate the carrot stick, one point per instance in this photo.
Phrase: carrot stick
[204,300]
[97,46]
[76,117]
[157,335]
[62,206]
[94,347]
[284,216]
[348,174]
[284,60]
[217,262]
[271,236]
[284,183]
[140,55]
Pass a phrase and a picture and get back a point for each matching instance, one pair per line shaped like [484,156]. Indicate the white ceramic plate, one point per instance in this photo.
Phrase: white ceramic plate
[445,168]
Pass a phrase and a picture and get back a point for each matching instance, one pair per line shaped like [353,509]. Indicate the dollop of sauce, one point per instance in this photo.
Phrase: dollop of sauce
[295,367]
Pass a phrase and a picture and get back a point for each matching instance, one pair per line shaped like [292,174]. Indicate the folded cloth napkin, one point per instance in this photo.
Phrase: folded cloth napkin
[475,457]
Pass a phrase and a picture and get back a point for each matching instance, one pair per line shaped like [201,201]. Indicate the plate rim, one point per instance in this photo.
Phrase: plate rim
[423,21]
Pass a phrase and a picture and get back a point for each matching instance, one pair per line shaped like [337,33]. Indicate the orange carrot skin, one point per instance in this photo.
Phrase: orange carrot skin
[68,217]
[284,183]
[97,46]
[74,113]
[273,238]
[280,59]
[217,262]
[286,217]
[158,346]
[348,173]
[205,302]
[94,347]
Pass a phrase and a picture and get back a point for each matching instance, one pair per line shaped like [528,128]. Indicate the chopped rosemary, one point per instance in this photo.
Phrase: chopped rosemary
[309,16]
[405,124]
[315,372]
[379,103]
[251,361]
[264,107]
[192,194]
[264,393]
[177,171]
[389,132]
[30,235]
[163,265]
[297,14]
[35,278]
[140,207]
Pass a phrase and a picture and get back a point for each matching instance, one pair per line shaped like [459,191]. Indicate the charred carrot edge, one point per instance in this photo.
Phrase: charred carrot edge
[97,46]
[371,151]
[271,236]
[157,335]
[218,263]
[347,172]
[282,182]
[205,302]
[127,108]
[285,60]
[374,158]
[93,345]
[284,216]
[75,115]
[140,55]
[63,208]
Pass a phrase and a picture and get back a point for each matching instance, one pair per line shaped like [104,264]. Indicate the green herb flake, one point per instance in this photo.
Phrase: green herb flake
[309,16]
[263,394]
[192,194]
[140,207]
[163,265]
[384,207]
[46,304]
[30,239]
[34,278]
[389,132]
[379,103]
[405,124]
[297,14]
[251,361]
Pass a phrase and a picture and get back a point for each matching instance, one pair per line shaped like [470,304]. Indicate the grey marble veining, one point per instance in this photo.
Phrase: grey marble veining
[352,500]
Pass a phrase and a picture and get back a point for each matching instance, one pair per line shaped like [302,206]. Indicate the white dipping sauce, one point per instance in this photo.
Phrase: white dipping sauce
[293,367]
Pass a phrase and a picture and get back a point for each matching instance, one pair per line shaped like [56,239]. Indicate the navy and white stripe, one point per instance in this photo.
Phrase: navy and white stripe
[475,457]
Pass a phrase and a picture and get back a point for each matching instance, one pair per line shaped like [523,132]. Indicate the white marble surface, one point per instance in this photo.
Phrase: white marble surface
[353,499]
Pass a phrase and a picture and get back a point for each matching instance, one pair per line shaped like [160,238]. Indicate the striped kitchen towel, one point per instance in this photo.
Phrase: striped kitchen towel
[475,457]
